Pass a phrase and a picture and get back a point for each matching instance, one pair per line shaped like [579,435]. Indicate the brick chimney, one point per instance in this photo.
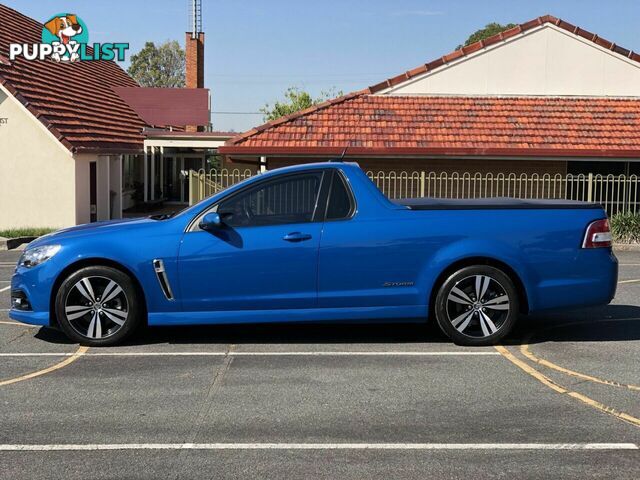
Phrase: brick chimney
[194,52]
[194,56]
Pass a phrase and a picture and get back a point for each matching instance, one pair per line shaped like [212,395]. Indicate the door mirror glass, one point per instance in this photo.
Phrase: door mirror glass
[210,221]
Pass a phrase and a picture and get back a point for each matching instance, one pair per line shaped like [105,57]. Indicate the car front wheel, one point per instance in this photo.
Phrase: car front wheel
[477,305]
[98,306]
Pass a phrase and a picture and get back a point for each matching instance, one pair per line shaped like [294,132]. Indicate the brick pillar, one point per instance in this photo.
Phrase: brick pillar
[194,76]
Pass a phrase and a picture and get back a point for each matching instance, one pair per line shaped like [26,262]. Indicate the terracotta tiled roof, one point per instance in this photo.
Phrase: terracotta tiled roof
[380,125]
[74,101]
[399,125]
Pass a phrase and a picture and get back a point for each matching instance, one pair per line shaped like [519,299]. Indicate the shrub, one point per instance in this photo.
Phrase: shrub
[25,232]
[625,227]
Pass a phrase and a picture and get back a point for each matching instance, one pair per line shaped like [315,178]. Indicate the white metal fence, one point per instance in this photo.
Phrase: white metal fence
[616,193]
[203,184]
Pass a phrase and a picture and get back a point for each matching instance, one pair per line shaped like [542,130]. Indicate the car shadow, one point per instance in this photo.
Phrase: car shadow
[613,323]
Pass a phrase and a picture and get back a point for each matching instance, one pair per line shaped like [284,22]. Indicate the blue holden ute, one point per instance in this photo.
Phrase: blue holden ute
[319,242]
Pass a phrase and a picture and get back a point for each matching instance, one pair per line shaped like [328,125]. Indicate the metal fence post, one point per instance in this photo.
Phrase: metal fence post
[590,188]
[422,181]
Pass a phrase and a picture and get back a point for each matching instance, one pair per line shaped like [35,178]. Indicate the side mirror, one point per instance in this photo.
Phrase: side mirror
[210,221]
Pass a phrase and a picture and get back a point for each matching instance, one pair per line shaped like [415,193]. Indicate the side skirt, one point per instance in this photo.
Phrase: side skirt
[409,312]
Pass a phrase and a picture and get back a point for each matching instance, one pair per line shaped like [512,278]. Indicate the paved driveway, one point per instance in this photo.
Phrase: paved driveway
[560,399]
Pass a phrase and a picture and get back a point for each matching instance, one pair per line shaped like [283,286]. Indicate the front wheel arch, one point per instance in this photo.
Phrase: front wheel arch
[93,262]
[468,262]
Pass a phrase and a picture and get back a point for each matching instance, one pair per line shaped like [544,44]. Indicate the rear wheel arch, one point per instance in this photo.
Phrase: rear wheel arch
[480,260]
[93,262]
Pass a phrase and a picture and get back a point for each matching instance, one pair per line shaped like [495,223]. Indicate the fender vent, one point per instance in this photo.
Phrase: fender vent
[158,266]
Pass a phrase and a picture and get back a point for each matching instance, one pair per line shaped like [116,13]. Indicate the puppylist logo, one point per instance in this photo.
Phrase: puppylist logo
[65,38]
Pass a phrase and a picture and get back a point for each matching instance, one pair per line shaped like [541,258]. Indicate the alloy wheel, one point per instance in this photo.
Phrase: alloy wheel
[478,306]
[96,307]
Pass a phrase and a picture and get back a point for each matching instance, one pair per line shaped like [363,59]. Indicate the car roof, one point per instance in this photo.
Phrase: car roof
[311,166]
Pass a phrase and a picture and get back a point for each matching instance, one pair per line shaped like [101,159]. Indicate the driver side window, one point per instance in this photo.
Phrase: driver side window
[290,199]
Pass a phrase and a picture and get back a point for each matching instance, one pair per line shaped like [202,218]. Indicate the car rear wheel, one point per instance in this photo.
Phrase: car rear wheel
[98,306]
[477,305]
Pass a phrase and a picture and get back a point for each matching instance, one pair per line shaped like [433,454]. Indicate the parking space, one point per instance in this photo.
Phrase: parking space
[559,399]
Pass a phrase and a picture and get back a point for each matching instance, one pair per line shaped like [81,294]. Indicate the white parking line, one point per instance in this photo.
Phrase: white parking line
[5,289]
[629,281]
[318,446]
[251,354]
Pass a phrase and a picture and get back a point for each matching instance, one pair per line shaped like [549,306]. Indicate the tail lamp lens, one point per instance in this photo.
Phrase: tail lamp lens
[598,235]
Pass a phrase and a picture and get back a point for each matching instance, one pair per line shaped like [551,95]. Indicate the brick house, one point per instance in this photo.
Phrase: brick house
[543,97]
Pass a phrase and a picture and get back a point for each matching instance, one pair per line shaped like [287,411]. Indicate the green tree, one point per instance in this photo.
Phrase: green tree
[161,66]
[294,101]
[489,30]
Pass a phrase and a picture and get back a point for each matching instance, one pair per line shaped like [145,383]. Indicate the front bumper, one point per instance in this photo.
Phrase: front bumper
[35,284]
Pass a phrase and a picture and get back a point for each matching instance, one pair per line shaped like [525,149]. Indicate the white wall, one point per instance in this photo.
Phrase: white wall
[83,214]
[544,61]
[115,185]
[37,174]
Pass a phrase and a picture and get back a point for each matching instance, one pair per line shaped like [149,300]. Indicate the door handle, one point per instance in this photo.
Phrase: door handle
[296,237]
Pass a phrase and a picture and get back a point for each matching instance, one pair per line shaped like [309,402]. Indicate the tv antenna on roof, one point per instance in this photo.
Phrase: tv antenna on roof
[195,17]
[341,157]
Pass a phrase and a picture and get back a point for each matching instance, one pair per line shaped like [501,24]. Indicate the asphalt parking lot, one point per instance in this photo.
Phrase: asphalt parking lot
[560,399]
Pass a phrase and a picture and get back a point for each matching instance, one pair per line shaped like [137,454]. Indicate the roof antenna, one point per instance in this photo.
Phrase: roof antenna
[340,159]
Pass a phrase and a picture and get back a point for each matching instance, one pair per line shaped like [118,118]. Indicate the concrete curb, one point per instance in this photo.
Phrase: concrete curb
[627,247]
[12,243]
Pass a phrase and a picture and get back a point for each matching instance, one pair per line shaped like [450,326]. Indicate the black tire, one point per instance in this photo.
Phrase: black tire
[87,318]
[472,321]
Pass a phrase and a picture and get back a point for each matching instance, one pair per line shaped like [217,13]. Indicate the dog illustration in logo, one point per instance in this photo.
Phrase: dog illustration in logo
[65,28]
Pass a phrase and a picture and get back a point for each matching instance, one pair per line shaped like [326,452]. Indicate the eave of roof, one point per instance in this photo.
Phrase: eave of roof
[186,135]
[353,152]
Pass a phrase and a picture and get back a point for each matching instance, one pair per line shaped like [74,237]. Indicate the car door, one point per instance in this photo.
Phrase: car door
[265,254]
[367,258]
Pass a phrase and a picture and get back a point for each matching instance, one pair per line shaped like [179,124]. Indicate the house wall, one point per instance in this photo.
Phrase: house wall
[37,174]
[543,61]
[446,165]
[82,187]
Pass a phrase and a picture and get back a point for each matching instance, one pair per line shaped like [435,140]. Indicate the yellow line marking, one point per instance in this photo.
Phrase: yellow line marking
[524,349]
[629,281]
[562,390]
[78,353]
[18,324]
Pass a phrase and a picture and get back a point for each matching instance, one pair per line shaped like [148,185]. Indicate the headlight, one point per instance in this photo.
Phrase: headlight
[36,256]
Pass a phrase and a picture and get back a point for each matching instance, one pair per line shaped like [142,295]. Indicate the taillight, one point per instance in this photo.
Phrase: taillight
[598,235]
